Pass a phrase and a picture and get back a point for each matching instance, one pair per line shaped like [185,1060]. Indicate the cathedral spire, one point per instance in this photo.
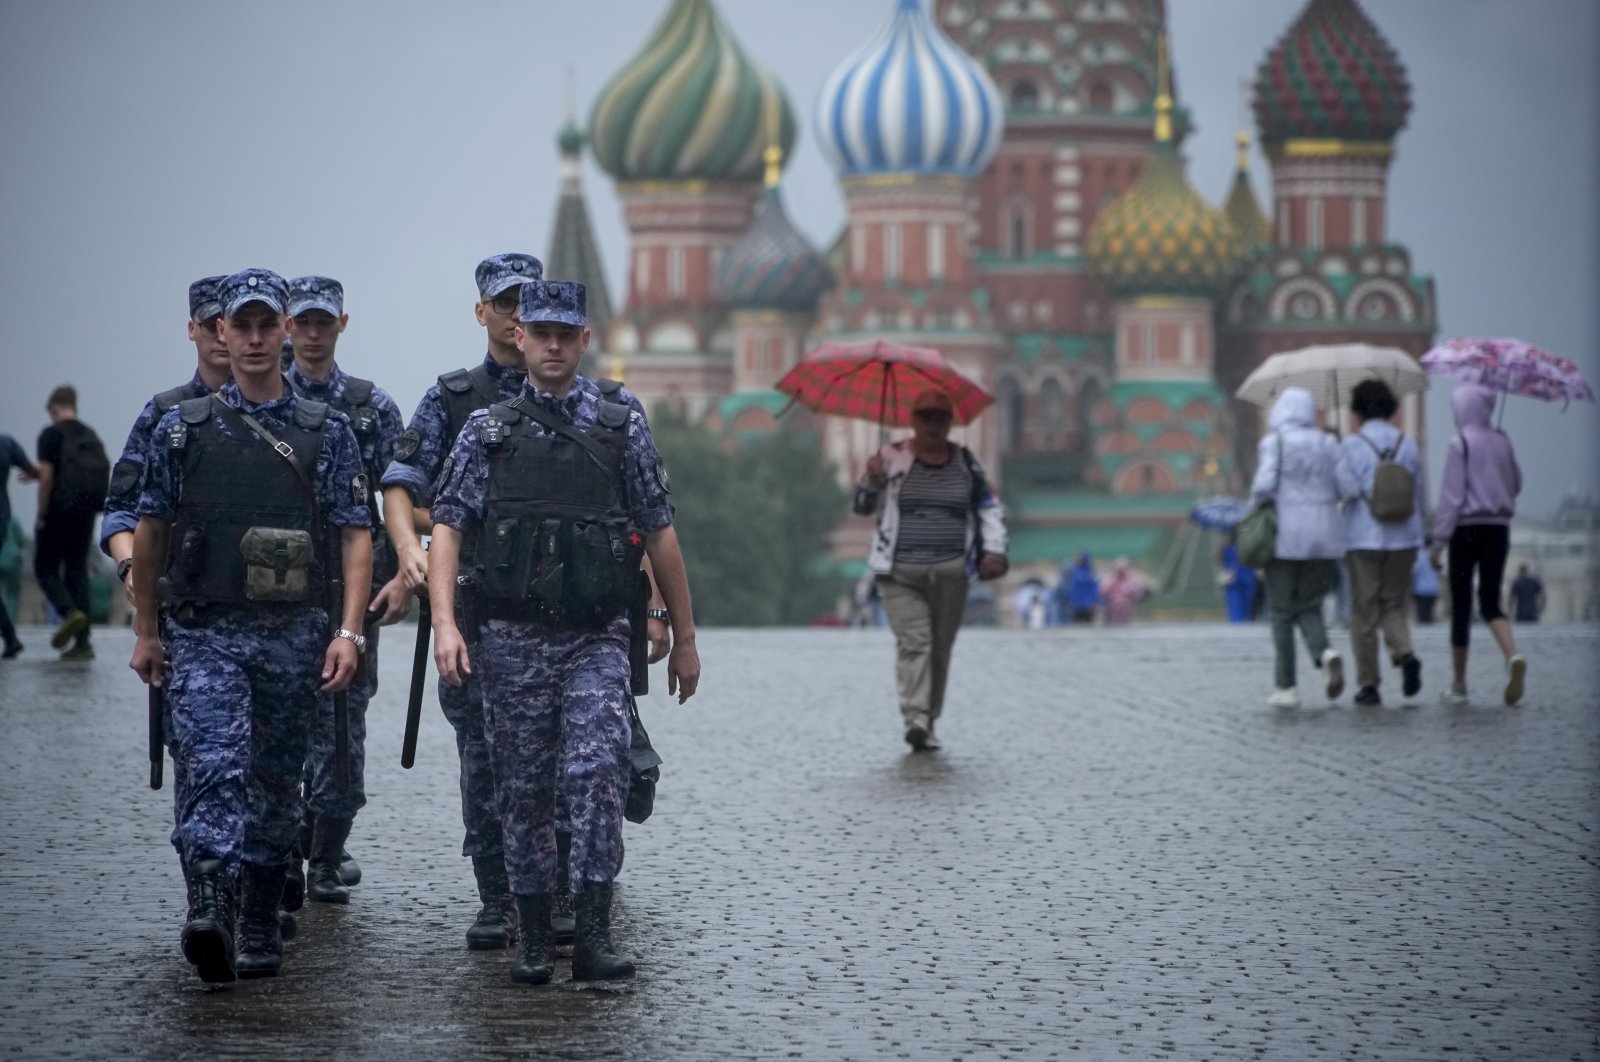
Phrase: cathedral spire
[574,253]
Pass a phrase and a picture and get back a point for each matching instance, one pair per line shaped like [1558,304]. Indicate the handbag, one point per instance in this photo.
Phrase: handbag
[1256,536]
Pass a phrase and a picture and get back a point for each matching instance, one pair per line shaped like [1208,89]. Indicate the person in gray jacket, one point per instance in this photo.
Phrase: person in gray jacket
[1297,470]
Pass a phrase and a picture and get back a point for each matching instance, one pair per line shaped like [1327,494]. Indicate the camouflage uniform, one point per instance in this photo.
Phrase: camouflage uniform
[556,701]
[377,449]
[244,685]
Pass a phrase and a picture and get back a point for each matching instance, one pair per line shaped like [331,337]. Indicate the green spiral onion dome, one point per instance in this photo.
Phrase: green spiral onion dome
[690,106]
[1161,238]
[1333,76]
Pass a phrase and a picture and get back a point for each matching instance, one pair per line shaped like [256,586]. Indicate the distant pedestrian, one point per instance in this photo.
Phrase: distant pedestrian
[1031,604]
[939,524]
[1382,535]
[11,456]
[1238,586]
[1424,588]
[1527,596]
[1296,469]
[74,474]
[1476,502]
[1121,591]
[1079,590]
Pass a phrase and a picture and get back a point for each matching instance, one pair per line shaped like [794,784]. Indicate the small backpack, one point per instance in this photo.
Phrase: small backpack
[83,474]
[1394,489]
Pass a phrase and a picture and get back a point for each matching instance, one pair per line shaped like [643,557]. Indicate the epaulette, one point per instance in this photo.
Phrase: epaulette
[167,399]
[505,413]
[310,414]
[195,410]
[613,415]
[457,380]
[608,387]
[358,392]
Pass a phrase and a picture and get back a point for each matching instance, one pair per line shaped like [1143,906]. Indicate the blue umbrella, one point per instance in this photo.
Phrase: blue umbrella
[1218,514]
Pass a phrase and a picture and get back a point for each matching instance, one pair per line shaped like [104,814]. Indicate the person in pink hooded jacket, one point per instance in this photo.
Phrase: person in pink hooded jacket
[1477,498]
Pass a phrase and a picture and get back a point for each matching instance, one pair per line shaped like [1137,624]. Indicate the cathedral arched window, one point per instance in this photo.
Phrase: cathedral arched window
[1101,96]
[1024,96]
[1009,397]
[1052,406]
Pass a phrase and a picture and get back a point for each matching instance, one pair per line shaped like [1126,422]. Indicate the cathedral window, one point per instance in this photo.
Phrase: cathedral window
[675,272]
[936,251]
[1101,96]
[858,251]
[641,270]
[1358,222]
[1024,96]
[1052,405]
[1314,223]
[891,252]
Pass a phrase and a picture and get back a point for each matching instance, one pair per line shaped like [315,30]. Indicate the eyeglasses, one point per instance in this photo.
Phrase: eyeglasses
[931,414]
[504,305]
[209,325]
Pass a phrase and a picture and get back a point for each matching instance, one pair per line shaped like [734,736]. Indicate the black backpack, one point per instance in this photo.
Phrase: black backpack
[83,475]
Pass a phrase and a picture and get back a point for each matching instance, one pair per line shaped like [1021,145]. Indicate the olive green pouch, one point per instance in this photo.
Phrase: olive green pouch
[277,564]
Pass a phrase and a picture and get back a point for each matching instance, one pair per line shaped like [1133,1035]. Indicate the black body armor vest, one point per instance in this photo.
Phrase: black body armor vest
[178,395]
[557,545]
[464,391]
[245,533]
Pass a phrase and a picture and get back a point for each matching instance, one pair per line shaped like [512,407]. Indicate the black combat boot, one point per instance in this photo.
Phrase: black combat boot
[496,925]
[563,926]
[294,883]
[533,965]
[593,956]
[260,939]
[349,869]
[208,934]
[322,877]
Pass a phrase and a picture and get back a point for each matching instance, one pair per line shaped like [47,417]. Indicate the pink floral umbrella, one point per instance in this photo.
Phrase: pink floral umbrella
[1511,367]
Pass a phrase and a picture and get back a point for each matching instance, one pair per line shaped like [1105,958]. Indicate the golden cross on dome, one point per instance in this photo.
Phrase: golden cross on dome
[1163,92]
[773,156]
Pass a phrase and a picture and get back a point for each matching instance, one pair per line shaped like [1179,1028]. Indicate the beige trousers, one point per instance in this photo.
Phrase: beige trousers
[924,603]
[1380,597]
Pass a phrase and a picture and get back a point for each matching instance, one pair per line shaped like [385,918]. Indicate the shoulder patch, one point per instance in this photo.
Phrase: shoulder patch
[456,380]
[407,447]
[310,414]
[195,410]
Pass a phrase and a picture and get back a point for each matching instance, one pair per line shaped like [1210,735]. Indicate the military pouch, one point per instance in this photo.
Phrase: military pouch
[503,560]
[278,564]
[548,579]
[605,565]
[192,553]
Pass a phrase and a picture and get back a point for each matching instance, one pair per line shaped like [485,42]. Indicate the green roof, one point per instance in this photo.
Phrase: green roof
[1145,546]
[1175,393]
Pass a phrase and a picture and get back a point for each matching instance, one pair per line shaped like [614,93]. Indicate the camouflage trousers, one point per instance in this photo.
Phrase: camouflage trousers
[556,703]
[242,695]
[321,793]
[463,709]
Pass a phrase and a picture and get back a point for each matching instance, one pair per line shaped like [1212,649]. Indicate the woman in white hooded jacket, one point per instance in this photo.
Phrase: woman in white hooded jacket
[1297,470]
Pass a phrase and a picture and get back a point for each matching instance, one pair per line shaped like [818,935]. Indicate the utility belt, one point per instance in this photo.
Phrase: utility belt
[556,570]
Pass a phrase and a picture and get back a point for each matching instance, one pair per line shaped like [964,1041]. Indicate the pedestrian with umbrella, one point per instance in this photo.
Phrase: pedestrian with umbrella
[1477,498]
[940,525]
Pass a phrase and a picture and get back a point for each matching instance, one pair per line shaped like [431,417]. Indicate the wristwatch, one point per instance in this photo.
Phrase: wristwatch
[358,640]
[123,567]
[655,613]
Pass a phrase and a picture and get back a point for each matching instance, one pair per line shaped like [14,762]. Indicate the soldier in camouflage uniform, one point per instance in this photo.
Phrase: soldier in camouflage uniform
[316,320]
[236,527]
[564,492]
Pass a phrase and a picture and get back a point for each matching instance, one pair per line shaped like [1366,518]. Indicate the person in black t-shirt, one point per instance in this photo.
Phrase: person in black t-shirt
[11,454]
[72,488]
[1527,596]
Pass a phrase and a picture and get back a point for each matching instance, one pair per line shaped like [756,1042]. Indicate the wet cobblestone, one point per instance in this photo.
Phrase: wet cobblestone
[1122,852]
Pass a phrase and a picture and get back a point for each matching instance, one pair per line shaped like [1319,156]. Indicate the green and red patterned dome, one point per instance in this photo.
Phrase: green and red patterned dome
[692,105]
[1332,76]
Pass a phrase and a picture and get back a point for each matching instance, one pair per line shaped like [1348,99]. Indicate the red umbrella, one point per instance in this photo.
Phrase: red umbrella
[878,381]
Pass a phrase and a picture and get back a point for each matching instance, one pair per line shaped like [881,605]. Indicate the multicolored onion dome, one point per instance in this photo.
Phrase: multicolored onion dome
[910,102]
[1161,238]
[772,266]
[690,106]
[1332,77]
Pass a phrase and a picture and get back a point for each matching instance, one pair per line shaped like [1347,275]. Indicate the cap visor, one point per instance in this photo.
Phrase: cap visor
[296,308]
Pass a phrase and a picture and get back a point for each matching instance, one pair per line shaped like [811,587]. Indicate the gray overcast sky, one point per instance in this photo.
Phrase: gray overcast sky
[394,145]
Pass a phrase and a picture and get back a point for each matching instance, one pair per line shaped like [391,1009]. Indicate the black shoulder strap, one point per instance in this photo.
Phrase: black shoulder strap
[358,392]
[196,410]
[506,412]
[483,383]
[603,455]
[608,387]
[456,380]
[167,399]
[308,414]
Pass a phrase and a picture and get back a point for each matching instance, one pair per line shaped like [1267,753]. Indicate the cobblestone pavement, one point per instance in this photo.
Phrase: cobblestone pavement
[1121,852]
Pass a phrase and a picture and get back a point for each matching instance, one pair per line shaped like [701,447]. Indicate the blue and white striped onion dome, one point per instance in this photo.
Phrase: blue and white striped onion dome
[910,102]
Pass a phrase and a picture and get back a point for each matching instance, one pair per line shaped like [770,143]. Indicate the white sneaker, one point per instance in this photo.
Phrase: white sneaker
[1333,665]
[1455,697]
[1516,676]
[1288,697]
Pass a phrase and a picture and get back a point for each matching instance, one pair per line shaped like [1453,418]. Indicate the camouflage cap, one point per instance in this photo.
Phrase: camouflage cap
[205,298]
[506,271]
[315,293]
[557,301]
[254,285]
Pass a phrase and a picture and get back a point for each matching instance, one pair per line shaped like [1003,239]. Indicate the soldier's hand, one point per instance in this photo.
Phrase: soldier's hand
[339,665]
[149,660]
[391,603]
[450,655]
[660,639]
[414,567]
[683,670]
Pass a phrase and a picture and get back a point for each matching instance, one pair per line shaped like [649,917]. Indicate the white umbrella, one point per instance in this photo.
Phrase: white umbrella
[1330,372]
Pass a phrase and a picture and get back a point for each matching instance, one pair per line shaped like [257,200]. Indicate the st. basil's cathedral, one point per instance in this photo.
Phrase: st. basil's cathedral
[1016,198]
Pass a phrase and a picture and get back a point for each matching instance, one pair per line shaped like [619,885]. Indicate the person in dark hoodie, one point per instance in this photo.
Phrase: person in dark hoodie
[1477,498]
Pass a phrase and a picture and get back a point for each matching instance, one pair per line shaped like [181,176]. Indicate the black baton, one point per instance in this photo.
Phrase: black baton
[157,735]
[341,741]
[419,674]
